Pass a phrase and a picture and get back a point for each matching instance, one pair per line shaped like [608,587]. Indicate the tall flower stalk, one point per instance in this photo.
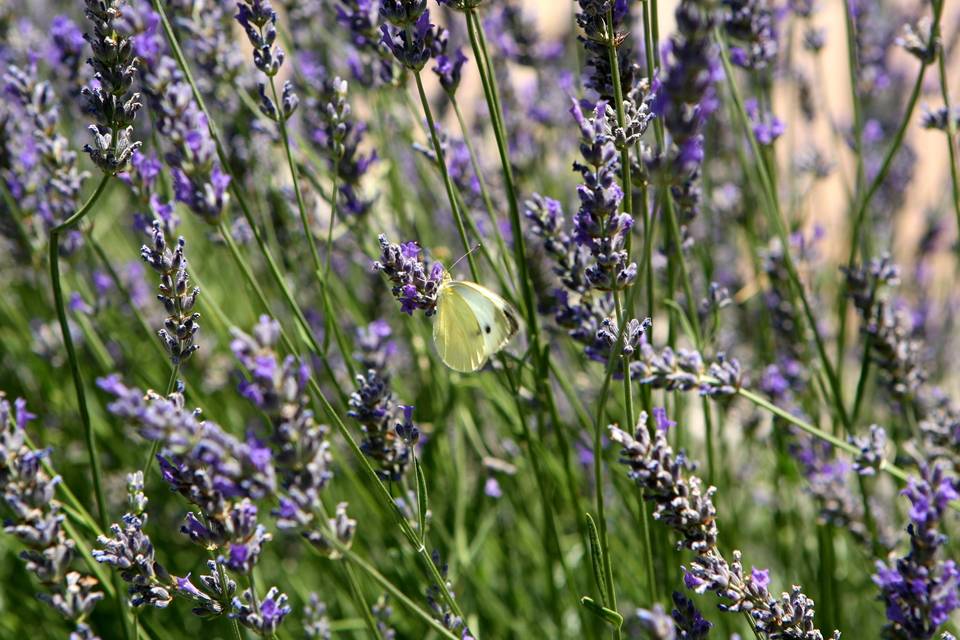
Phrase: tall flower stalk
[36,519]
[113,107]
[682,503]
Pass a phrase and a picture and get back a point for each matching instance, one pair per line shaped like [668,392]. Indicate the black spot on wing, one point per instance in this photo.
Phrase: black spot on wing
[487,329]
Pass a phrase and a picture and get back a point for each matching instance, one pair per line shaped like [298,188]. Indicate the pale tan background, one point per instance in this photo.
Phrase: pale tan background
[826,203]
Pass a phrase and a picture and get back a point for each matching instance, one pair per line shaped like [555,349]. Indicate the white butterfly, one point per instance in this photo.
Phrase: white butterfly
[473,323]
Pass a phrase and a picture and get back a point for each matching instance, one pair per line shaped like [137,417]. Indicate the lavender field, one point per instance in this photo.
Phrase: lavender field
[478,319]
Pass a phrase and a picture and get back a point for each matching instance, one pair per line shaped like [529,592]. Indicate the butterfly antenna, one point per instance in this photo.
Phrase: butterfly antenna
[474,248]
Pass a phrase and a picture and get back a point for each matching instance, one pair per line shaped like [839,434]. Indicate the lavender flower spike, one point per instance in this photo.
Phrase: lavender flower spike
[37,520]
[415,282]
[681,502]
[920,590]
[129,549]
[598,225]
[108,97]
[181,325]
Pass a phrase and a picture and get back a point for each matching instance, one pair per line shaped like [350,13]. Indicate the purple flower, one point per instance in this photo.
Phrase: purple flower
[751,24]
[766,126]
[681,503]
[297,446]
[198,179]
[598,226]
[265,619]
[449,69]
[339,136]
[68,45]
[413,47]
[592,19]
[36,518]
[129,549]
[178,299]
[415,285]
[760,577]
[186,587]
[199,460]
[684,97]
[920,590]
[107,96]
[661,420]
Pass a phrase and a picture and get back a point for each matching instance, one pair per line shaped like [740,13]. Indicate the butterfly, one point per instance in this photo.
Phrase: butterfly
[473,323]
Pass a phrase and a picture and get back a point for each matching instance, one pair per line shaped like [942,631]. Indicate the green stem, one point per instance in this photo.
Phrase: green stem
[447,182]
[484,192]
[390,588]
[951,136]
[88,434]
[843,445]
[399,518]
[294,177]
[488,80]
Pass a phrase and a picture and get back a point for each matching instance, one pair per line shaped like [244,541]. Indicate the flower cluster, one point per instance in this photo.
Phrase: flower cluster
[766,126]
[68,46]
[370,60]
[338,136]
[686,370]
[940,434]
[415,283]
[599,34]
[57,191]
[598,225]
[920,590]
[751,25]
[438,605]
[568,259]
[36,519]
[684,622]
[681,502]
[180,325]
[685,98]
[872,451]
[316,625]
[108,97]
[690,623]
[449,70]
[199,181]
[886,328]
[259,22]
[940,118]
[265,619]
[385,439]
[220,475]
[409,35]
[301,452]
[129,549]
[212,469]
[655,624]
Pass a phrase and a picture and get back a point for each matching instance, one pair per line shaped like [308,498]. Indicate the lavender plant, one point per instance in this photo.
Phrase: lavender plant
[751,263]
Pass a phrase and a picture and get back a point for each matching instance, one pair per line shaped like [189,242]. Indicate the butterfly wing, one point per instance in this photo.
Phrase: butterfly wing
[456,332]
[496,318]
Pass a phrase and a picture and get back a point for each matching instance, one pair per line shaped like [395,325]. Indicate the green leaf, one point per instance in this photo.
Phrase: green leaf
[596,556]
[422,499]
[609,616]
